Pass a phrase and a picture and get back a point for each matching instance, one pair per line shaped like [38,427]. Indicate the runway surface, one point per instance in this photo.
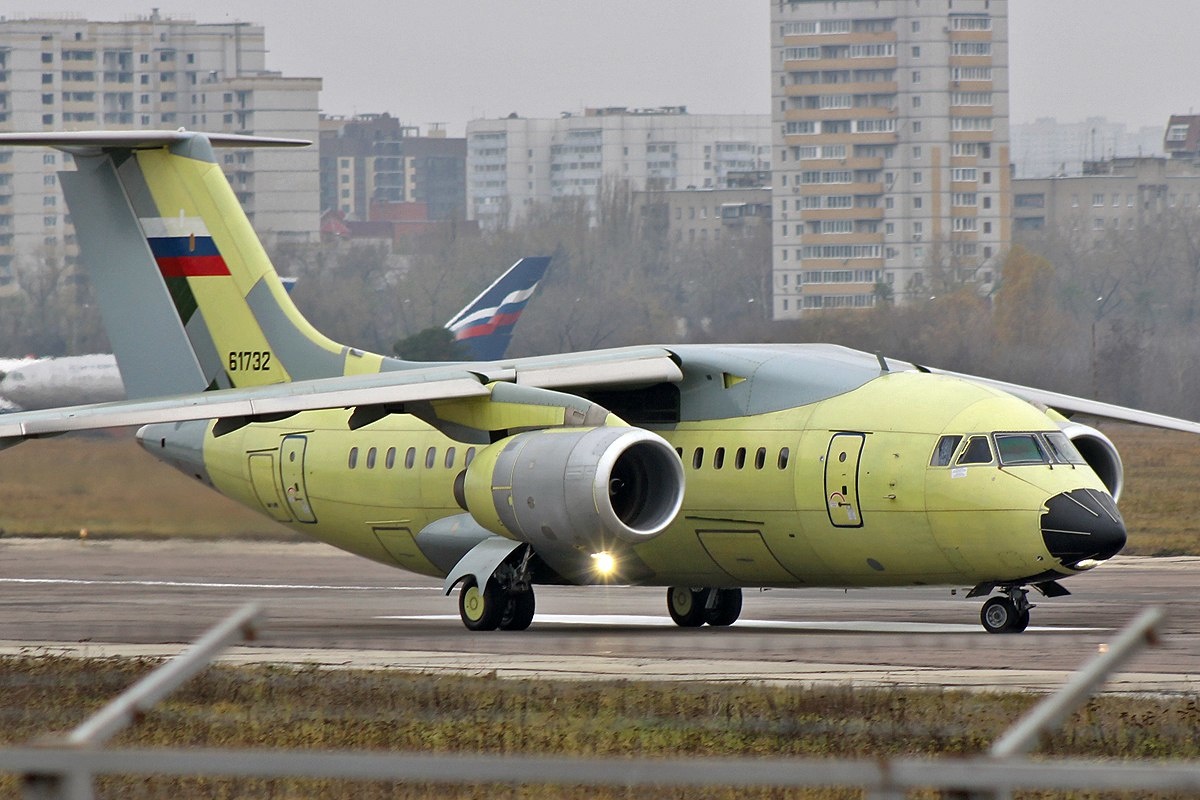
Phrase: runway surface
[116,597]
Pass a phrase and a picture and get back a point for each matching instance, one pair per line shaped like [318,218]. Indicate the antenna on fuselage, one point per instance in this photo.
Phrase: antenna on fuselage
[883,367]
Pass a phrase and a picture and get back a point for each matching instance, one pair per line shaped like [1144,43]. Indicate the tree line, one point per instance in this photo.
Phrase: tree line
[1112,315]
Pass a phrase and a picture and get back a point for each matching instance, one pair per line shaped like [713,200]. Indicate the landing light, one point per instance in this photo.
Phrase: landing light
[604,564]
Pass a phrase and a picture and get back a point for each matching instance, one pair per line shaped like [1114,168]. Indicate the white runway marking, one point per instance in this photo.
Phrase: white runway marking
[213,585]
[848,626]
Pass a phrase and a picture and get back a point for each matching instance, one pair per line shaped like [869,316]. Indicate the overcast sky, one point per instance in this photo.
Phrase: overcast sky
[453,60]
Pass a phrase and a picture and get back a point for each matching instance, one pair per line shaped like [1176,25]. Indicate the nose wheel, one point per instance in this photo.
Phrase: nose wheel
[1008,613]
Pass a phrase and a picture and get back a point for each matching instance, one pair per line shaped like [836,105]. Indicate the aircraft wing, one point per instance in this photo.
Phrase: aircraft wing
[1069,405]
[628,366]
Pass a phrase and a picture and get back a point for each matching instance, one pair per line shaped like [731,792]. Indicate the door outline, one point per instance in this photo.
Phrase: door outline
[841,479]
[291,471]
[264,480]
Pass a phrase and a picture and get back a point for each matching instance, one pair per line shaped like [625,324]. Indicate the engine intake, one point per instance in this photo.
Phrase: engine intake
[1100,454]
[584,489]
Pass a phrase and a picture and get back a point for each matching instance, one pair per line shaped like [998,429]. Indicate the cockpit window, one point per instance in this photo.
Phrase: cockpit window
[1062,448]
[1020,448]
[977,451]
[944,451]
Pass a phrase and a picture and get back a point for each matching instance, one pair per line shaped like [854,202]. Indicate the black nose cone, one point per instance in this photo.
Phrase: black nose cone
[1082,524]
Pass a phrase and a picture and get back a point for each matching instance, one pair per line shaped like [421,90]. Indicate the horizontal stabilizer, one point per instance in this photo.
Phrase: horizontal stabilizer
[95,142]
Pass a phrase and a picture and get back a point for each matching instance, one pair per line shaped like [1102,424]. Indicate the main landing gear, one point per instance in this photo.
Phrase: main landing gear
[691,608]
[505,601]
[1008,613]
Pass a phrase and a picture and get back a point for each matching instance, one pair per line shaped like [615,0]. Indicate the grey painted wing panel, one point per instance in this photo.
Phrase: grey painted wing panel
[232,403]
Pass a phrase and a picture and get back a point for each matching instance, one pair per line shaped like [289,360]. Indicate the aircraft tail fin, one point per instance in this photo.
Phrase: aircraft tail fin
[189,298]
[485,326]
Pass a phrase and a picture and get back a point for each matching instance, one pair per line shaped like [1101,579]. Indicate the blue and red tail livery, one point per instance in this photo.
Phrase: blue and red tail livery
[485,326]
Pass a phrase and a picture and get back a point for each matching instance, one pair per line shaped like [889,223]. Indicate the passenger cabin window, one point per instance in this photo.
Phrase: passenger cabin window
[371,458]
[1020,448]
[977,451]
[718,458]
[469,457]
[410,458]
[739,458]
[944,451]
[450,457]
[760,458]
[389,460]
[1063,449]
[784,453]
[353,457]
[698,458]
[430,457]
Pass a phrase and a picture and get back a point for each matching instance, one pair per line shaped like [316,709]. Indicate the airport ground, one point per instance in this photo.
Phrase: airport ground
[815,672]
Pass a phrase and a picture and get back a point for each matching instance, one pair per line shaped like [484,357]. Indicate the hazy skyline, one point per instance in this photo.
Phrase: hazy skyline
[456,60]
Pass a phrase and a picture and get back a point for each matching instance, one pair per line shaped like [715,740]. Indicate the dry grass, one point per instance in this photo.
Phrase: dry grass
[392,712]
[107,484]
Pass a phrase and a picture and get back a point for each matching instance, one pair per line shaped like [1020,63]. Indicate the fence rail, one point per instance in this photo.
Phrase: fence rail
[64,769]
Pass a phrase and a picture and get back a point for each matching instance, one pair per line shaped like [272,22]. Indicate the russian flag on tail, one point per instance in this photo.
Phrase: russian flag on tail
[486,325]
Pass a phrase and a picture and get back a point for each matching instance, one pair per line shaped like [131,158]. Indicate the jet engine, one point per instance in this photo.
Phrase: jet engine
[582,490]
[1100,454]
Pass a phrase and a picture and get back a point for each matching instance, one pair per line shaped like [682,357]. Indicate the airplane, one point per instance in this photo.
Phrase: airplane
[7,365]
[484,327]
[704,469]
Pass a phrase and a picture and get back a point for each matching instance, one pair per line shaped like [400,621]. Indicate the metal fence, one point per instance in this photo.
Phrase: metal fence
[66,768]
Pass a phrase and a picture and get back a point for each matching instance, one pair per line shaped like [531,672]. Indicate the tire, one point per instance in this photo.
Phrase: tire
[518,611]
[727,609]
[999,615]
[686,606]
[480,609]
[1022,622]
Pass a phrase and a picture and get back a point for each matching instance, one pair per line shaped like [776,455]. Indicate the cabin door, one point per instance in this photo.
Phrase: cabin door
[291,469]
[841,479]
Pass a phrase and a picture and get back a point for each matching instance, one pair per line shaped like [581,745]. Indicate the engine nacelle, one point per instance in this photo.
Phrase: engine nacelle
[1100,454]
[586,490]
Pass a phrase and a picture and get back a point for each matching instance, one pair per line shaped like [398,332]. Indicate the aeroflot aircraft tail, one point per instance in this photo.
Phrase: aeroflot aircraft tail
[485,326]
[157,204]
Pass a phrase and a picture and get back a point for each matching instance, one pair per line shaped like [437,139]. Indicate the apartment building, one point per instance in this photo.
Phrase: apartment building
[1047,147]
[150,72]
[1114,196]
[371,161]
[515,163]
[891,154]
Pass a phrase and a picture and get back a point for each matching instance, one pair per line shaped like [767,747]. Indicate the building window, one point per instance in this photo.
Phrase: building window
[1097,199]
[916,52]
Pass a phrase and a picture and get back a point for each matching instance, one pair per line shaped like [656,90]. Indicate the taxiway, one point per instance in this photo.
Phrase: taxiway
[119,597]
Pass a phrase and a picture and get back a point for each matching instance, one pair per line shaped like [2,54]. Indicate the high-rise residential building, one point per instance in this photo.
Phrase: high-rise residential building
[371,162]
[516,163]
[150,72]
[891,154]
[1049,148]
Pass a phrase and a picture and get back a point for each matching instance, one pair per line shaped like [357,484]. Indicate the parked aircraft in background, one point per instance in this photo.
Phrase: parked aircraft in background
[7,365]
[703,469]
[64,381]
[484,326]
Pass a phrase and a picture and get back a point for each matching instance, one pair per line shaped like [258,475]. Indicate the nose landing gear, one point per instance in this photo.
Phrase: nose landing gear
[1008,613]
